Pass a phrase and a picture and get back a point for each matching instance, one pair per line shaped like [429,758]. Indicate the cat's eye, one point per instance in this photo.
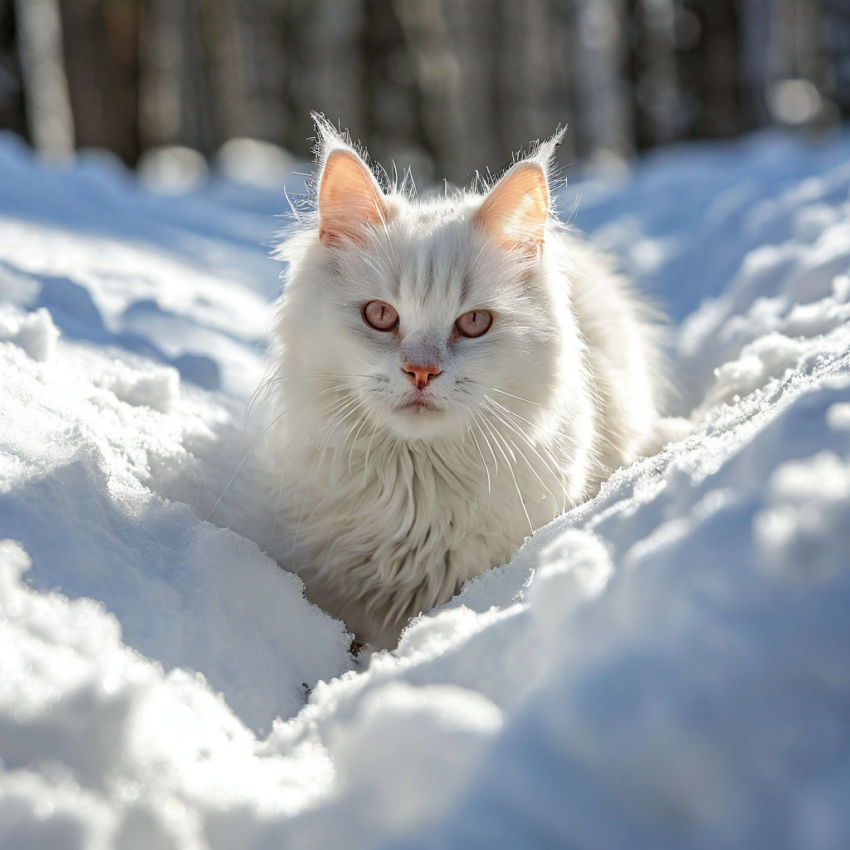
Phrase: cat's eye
[474,323]
[380,315]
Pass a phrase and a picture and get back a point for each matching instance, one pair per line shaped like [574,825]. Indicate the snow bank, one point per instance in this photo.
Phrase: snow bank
[665,666]
[101,748]
[85,439]
[33,332]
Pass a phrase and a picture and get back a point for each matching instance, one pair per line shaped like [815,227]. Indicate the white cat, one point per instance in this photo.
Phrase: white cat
[448,374]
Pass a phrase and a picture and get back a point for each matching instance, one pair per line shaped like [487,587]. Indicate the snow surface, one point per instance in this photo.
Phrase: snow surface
[667,666]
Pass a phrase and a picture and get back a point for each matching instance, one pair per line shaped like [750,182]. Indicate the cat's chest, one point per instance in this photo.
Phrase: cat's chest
[383,538]
[419,512]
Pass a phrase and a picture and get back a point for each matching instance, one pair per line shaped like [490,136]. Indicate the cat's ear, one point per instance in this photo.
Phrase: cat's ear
[350,199]
[515,211]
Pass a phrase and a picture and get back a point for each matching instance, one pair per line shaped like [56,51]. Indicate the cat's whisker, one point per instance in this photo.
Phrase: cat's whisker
[484,462]
[277,506]
[490,447]
[347,405]
[486,517]
[335,409]
[526,380]
[564,435]
[496,439]
[350,408]
[256,443]
[279,489]
[510,421]
[498,405]
[303,506]
[365,420]
[324,379]
[262,509]
[560,476]
[511,536]
[520,398]
[294,443]
[527,461]
[340,452]
[368,450]
[267,383]
[494,434]
[327,496]
[291,447]
[263,387]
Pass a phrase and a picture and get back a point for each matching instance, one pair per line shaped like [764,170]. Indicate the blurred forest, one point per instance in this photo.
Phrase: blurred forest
[447,85]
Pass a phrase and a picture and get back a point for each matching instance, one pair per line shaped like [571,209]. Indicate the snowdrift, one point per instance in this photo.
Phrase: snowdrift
[665,666]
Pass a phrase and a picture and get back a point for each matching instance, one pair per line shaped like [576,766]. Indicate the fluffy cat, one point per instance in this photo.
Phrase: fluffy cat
[447,375]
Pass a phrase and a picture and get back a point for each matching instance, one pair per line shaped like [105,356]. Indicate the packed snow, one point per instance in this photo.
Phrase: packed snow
[667,666]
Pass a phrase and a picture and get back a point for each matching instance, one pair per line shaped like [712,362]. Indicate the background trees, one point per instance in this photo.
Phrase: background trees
[448,85]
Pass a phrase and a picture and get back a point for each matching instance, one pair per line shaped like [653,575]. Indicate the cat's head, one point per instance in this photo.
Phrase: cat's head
[421,317]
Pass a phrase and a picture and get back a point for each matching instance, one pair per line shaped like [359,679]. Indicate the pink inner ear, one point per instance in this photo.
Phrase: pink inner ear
[350,199]
[515,212]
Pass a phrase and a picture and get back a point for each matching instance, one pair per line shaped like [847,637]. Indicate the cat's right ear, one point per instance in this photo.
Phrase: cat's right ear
[350,199]
[516,210]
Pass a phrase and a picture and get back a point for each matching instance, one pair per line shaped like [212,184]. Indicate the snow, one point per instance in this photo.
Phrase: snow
[33,332]
[665,666]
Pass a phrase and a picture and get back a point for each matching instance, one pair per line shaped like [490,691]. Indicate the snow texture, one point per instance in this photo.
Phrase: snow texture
[666,666]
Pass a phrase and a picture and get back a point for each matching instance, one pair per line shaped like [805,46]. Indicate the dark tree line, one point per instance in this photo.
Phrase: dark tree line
[445,84]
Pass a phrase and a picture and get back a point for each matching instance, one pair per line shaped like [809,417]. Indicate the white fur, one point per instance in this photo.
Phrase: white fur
[386,513]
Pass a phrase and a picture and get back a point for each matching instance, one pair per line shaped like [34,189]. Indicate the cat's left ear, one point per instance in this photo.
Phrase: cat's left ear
[350,199]
[515,211]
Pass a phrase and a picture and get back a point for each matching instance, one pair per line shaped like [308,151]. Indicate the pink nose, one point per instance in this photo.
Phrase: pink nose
[420,375]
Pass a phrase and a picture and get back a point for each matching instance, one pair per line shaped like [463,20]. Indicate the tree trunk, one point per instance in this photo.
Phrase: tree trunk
[437,78]
[48,104]
[604,119]
[12,112]
[101,40]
